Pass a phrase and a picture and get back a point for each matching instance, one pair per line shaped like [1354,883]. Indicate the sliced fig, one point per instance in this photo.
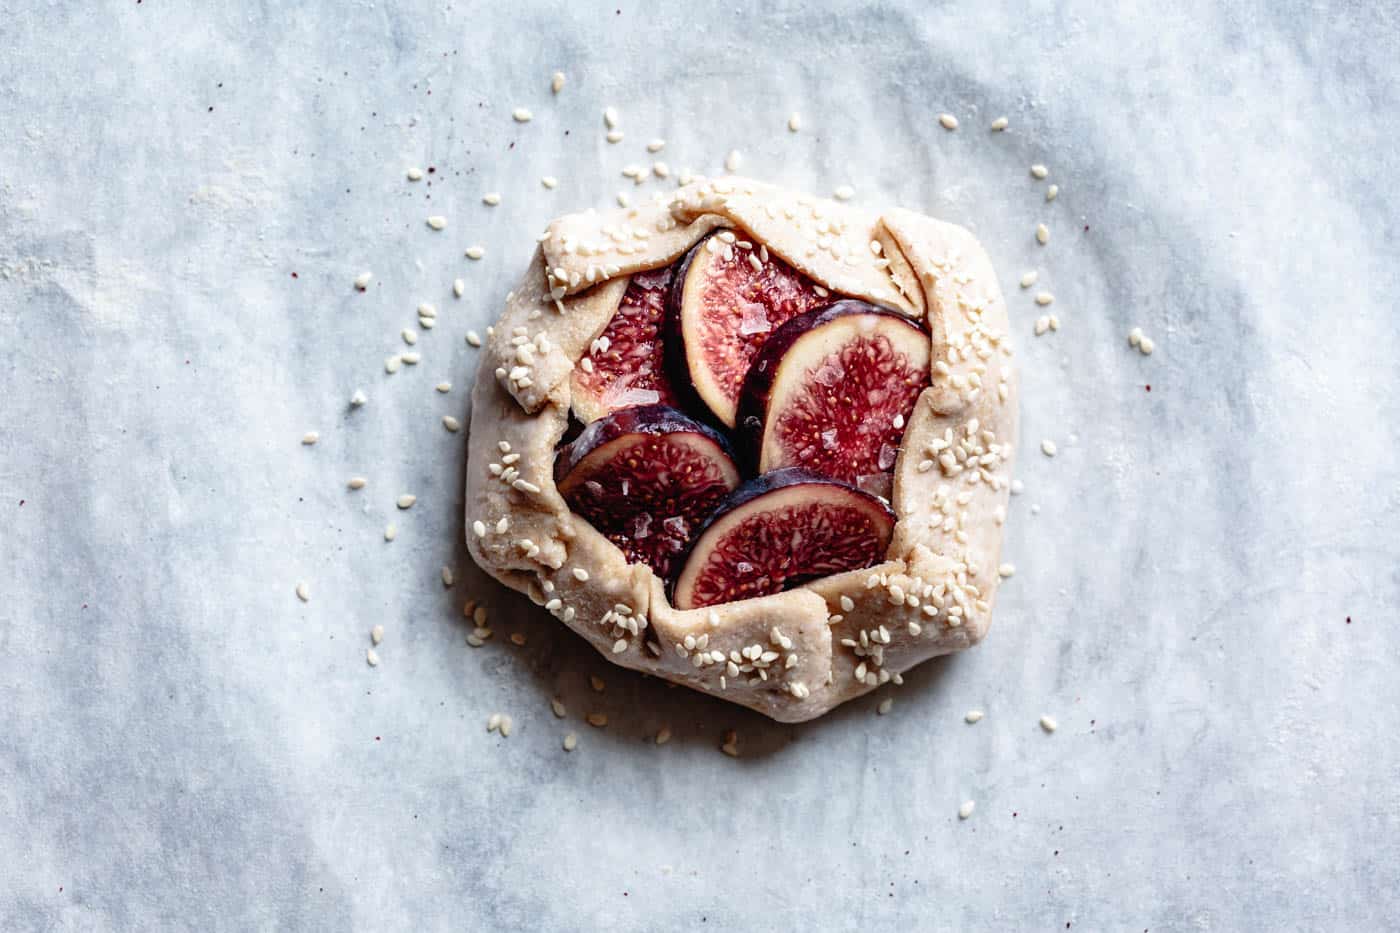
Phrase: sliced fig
[646,478]
[778,531]
[831,391]
[626,365]
[727,296]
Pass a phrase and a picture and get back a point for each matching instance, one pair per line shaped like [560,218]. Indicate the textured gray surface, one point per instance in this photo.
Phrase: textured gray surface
[1206,598]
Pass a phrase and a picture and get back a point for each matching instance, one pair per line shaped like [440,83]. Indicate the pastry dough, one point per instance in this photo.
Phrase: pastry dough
[792,655]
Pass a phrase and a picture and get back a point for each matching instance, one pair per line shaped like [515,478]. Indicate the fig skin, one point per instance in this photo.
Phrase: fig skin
[752,415]
[613,512]
[819,490]
[801,295]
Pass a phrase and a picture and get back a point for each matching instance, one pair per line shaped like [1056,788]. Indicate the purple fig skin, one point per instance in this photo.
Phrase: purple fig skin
[644,419]
[772,482]
[758,384]
[673,341]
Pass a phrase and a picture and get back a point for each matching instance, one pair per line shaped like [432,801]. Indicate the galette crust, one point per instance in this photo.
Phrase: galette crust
[793,655]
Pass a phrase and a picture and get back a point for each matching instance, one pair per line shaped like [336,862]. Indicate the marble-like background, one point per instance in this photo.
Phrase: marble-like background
[1206,596]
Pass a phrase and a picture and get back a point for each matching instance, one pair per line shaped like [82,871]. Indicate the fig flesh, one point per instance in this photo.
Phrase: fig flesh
[778,531]
[646,478]
[831,391]
[727,297]
[626,365]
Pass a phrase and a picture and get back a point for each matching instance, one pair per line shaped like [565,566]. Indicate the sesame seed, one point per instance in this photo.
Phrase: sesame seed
[475,252]
[556,82]
[1146,346]
[844,193]
[619,646]
[410,337]
[493,722]
[661,170]
[1044,298]
[473,339]
[448,579]
[1054,322]
[580,575]
[1135,337]
[570,742]
[491,198]
[1017,487]
[356,482]
[303,592]
[505,726]
[973,716]
[414,173]
[1042,234]
[1000,124]
[656,145]
[503,525]
[1052,192]
[1042,324]
[437,222]
[663,735]
[610,117]
[392,363]
[731,744]
[310,437]
[411,358]
[622,199]
[521,115]
[557,705]
[966,809]
[390,532]
[1047,447]
[614,136]
[1048,723]
[885,706]
[1028,279]
[597,683]
[479,527]
[1039,171]
[362,280]
[550,182]
[443,387]
[406,501]
[847,604]
[597,720]
[794,122]
[451,423]
[949,121]
[733,161]
[1006,570]
[479,615]
[518,639]
[358,399]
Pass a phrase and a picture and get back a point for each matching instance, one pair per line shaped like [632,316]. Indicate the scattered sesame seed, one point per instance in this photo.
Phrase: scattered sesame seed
[451,423]
[493,722]
[622,201]
[580,575]
[1052,192]
[1135,337]
[1044,298]
[1042,324]
[966,809]
[844,193]
[1028,279]
[1042,234]
[475,252]
[1054,320]
[794,122]
[1017,487]
[661,170]
[479,527]
[392,363]
[570,742]
[310,437]
[597,683]
[427,309]
[390,532]
[521,115]
[1047,447]
[656,145]
[411,358]
[1146,346]
[303,592]
[358,399]
[473,339]
[556,82]
[1039,171]
[437,222]
[356,482]
[557,705]
[362,280]
[949,121]
[491,198]
[614,136]
[1048,723]
[458,287]
[597,720]
[610,117]
[505,726]
[406,501]
[410,337]
[1000,124]
[376,634]
[503,525]
[518,639]
[733,161]
[414,173]
[371,657]
[663,735]
[447,577]
[619,646]
[1006,570]
[731,744]
[885,706]
[973,716]
[443,387]
[550,182]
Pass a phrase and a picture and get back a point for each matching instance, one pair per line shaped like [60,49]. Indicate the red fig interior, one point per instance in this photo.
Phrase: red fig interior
[728,296]
[646,478]
[831,391]
[626,364]
[777,531]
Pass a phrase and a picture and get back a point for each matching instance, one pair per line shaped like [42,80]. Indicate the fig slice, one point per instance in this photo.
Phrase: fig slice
[727,296]
[646,478]
[779,531]
[626,365]
[831,391]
